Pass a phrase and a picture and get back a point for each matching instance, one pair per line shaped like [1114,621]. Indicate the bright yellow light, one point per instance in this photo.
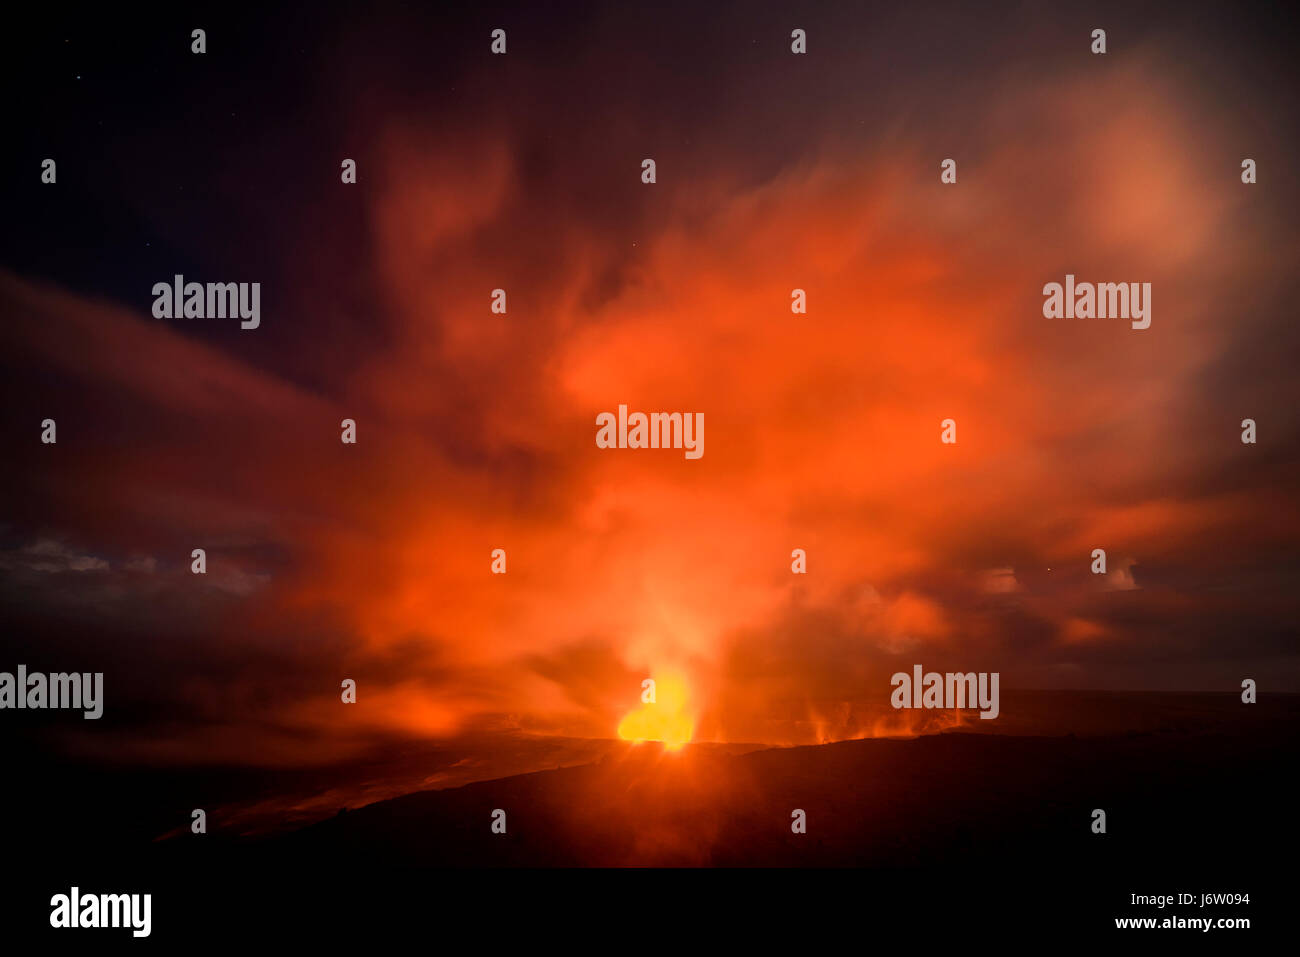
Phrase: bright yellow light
[665,720]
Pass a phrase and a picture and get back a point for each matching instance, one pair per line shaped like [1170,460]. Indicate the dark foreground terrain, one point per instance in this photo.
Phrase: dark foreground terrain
[1173,797]
[1198,802]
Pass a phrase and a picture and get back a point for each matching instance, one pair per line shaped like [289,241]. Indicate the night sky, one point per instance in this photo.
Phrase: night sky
[475,431]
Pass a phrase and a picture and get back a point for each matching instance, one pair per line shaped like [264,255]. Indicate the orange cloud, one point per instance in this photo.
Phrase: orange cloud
[476,431]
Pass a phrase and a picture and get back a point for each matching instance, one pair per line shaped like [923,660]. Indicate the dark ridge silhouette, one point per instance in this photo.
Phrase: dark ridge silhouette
[1192,795]
[973,827]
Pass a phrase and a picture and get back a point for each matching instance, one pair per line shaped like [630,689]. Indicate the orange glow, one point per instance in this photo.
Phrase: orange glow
[665,720]
[822,433]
